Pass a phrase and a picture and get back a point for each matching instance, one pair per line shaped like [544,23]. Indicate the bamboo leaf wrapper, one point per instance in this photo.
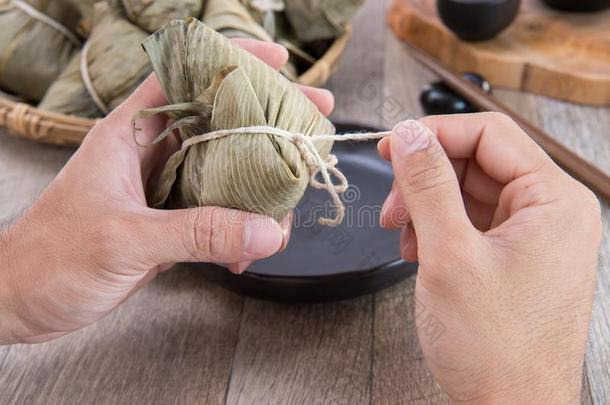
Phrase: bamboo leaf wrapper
[201,70]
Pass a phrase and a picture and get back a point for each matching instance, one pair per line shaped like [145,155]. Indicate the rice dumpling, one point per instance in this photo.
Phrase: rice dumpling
[320,19]
[232,19]
[110,67]
[85,7]
[68,94]
[36,44]
[213,85]
[151,15]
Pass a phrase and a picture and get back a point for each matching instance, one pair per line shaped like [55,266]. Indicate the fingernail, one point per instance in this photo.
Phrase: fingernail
[327,93]
[239,268]
[381,143]
[263,236]
[409,137]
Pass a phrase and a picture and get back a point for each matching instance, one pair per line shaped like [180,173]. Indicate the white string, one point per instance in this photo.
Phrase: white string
[267,9]
[311,156]
[268,5]
[36,14]
[84,72]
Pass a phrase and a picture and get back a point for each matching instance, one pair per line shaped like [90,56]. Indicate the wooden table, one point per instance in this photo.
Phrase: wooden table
[182,340]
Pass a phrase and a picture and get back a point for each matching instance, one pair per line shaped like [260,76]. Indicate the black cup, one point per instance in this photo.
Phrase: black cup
[579,5]
[477,20]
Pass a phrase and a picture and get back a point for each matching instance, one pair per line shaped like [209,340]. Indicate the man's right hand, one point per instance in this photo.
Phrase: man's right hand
[508,246]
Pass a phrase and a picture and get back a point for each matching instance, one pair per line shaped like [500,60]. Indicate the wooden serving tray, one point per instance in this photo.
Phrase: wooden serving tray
[557,54]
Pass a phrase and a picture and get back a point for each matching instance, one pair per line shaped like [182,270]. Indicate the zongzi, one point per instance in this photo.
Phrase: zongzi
[110,67]
[320,19]
[151,15]
[85,7]
[36,44]
[215,85]
[235,19]
[232,19]
[68,94]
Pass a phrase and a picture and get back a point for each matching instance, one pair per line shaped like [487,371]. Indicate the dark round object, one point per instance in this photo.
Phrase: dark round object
[437,99]
[478,81]
[326,264]
[477,20]
[579,5]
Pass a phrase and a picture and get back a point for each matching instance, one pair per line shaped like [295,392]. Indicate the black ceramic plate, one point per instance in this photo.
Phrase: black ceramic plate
[323,263]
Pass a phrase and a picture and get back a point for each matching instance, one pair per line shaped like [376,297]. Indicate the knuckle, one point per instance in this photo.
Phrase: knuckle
[215,238]
[590,209]
[423,174]
[499,118]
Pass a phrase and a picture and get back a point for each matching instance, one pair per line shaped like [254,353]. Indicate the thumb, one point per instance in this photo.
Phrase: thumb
[210,235]
[427,184]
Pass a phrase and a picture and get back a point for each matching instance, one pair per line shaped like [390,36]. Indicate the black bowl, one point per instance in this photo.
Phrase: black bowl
[477,20]
[329,264]
[579,5]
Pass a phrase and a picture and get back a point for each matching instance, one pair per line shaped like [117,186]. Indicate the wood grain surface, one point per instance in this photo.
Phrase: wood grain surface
[544,51]
[182,340]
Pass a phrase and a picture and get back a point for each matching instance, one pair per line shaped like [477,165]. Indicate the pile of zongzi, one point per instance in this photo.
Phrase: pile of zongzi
[105,73]
[213,85]
[84,57]
[36,43]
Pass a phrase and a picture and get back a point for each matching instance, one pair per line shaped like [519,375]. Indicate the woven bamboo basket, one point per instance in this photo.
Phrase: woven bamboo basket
[32,123]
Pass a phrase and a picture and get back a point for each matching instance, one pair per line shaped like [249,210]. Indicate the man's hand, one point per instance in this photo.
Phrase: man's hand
[91,240]
[507,245]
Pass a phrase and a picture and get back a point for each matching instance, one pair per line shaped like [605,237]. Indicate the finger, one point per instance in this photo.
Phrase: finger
[286,225]
[470,175]
[479,185]
[271,53]
[408,244]
[428,185]
[209,235]
[322,98]
[383,147]
[481,194]
[148,95]
[118,124]
[500,147]
[479,213]
[540,188]
[394,213]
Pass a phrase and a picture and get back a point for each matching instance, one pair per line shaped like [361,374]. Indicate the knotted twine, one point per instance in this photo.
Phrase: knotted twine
[306,147]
